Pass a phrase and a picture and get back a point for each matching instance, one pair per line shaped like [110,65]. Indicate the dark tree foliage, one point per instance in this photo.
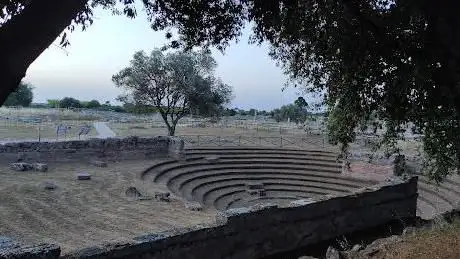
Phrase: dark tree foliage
[69,102]
[92,104]
[292,112]
[22,96]
[301,102]
[398,59]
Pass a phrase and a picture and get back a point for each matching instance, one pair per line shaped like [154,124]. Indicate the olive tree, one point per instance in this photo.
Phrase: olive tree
[175,83]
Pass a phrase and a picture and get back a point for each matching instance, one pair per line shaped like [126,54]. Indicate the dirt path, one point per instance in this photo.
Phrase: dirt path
[103,131]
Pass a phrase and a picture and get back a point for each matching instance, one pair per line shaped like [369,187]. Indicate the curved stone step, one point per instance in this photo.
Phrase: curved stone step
[228,195]
[437,200]
[188,191]
[258,151]
[425,209]
[167,173]
[331,160]
[212,196]
[188,181]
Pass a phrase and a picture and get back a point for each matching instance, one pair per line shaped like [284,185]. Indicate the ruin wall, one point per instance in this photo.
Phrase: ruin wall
[261,231]
[103,149]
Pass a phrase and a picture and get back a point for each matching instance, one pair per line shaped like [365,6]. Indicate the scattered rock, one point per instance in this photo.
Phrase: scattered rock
[332,253]
[256,189]
[357,248]
[20,167]
[132,192]
[379,244]
[49,185]
[162,196]
[98,163]
[212,159]
[83,176]
[301,202]
[193,205]
[409,231]
[255,186]
[41,167]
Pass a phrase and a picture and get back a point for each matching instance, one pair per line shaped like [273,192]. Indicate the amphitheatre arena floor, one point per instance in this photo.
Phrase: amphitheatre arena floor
[83,213]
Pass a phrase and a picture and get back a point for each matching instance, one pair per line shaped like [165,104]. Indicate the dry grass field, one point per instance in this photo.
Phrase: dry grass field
[46,131]
[440,242]
[84,213]
[156,129]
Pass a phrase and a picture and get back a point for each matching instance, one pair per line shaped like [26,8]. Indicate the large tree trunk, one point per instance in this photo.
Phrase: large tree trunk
[27,35]
[171,130]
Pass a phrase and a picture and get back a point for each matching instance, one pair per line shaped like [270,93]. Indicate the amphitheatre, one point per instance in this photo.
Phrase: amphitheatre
[215,188]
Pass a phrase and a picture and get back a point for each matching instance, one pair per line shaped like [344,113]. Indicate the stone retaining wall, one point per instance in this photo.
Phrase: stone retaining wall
[265,230]
[109,149]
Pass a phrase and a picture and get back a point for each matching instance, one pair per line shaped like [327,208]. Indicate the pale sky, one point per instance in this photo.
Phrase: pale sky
[85,71]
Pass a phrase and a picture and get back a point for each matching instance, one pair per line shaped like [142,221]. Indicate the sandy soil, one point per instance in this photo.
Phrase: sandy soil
[84,213]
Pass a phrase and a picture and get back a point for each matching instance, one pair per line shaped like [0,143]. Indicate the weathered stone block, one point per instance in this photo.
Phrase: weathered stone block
[256,192]
[162,196]
[193,205]
[332,253]
[132,192]
[83,176]
[255,188]
[98,163]
[20,167]
[40,167]
[49,185]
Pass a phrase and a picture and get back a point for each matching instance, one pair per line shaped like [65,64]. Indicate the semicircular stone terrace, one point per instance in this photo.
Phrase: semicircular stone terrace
[232,177]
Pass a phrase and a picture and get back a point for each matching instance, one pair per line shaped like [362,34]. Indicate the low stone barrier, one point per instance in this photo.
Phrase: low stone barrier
[111,148]
[260,231]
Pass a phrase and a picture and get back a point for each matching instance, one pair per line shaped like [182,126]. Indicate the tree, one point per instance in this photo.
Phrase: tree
[397,58]
[53,103]
[176,83]
[22,96]
[292,112]
[92,104]
[69,102]
[230,112]
[301,102]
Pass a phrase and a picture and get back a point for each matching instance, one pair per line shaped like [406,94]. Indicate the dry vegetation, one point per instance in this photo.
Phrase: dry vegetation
[84,213]
[442,241]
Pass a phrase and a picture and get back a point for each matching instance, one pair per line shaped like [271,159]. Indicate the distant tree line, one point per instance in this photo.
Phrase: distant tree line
[70,102]
[297,112]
